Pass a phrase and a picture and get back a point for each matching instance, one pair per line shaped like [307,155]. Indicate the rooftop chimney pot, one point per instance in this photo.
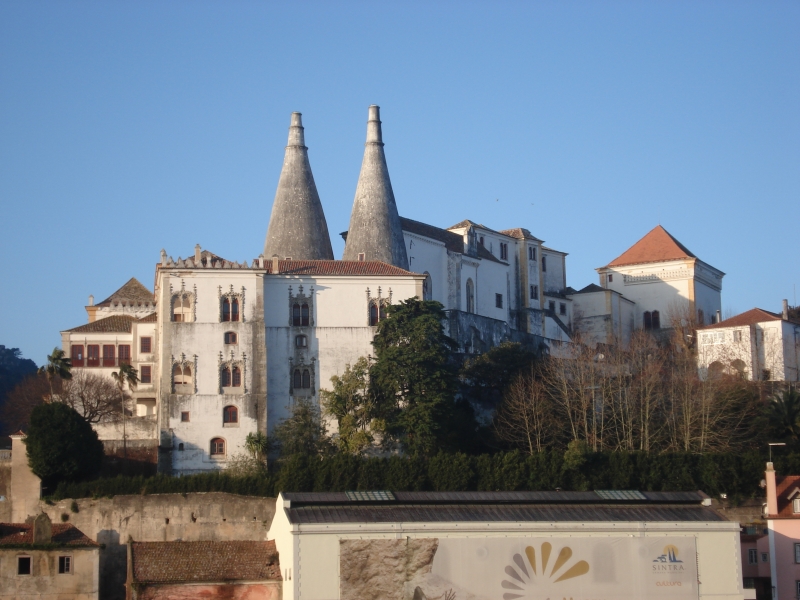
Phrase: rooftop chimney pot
[91,300]
[785,309]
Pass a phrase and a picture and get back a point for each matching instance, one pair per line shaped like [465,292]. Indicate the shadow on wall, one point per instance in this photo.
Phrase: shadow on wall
[113,555]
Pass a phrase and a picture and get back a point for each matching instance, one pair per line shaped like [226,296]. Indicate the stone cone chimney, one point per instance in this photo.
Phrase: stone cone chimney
[375,229]
[297,226]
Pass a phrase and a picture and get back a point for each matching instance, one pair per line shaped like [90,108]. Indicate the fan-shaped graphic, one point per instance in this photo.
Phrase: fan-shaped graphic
[540,567]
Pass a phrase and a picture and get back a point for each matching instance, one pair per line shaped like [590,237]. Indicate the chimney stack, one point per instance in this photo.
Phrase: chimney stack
[772,496]
[275,265]
[91,300]
[785,310]
[197,255]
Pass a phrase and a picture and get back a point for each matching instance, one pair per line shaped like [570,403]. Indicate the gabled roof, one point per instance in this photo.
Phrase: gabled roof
[452,241]
[132,292]
[750,317]
[468,223]
[589,289]
[658,245]
[151,318]
[176,562]
[336,267]
[520,233]
[113,324]
[64,534]
[784,490]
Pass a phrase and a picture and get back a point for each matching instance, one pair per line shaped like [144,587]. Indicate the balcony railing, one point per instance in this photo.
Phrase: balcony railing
[100,362]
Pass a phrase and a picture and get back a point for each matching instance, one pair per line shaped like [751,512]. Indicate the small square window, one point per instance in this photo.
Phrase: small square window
[362,257]
[185,417]
[498,300]
[145,374]
[562,308]
[64,564]
[146,345]
[737,336]
[23,565]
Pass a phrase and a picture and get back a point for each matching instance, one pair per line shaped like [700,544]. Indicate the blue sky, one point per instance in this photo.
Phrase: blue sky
[127,127]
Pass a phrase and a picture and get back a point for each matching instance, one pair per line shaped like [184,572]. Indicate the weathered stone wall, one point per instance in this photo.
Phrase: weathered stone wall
[249,591]
[160,517]
[5,491]
[45,580]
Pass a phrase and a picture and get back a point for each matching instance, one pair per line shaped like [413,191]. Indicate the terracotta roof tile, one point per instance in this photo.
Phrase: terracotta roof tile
[112,324]
[658,245]
[151,318]
[132,292]
[336,267]
[173,562]
[750,317]
[787,488]
[64,534]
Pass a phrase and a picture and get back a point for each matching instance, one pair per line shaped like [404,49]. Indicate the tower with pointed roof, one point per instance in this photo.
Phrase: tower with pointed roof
[297,227]
[375,232]
[666,281]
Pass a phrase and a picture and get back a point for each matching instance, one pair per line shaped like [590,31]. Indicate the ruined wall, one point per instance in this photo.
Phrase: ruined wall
[160,517]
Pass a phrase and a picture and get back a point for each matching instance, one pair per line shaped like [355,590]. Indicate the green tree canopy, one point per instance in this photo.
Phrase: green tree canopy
[303,432]
[352,405]
[413,378]
[784,415]
[489,374]
[61,445]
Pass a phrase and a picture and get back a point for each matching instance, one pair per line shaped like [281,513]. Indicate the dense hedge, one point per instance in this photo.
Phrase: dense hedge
[737,475]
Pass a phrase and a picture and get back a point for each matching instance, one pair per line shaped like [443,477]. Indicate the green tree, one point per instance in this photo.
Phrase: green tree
[130,376]
[58,366]
[61,445]
[352,405]
[413,378]
[303,432]
[784,415]
[489,374]
[258,445]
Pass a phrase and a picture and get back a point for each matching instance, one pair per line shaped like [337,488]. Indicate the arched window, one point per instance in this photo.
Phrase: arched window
[231,337]
[237,377]
[373,314]
[180,447]
[648,320]
[306,379]
[182,375]
[235,310]
[230,414]
[296,315]
[217,447]
[226,310]
[656,320]
[427,287]
[226,377]
[298,379]
[304,315]
[715,369]
[181,309]
[470,296]
[301,341]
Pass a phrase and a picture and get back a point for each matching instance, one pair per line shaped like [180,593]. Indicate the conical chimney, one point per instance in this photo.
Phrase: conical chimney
[375,232]
[297,227]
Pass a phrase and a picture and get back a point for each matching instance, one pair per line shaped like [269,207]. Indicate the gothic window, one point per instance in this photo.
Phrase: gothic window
[652,320]
[182,308]
[298,379]
[180,447]
[304,312]
[300,314]
[226,310]
[226,377]
[648,320]
[230,414]
[302,379]
[76,355]
[470,296]
[182,375]
[237,377]
[306,379]
[235,309]
[217,447]
[534,292]
[301,341]
[427,287]
[480,241]
[231,376]
[231,337]
[296,314]
[373,314]
[656,320]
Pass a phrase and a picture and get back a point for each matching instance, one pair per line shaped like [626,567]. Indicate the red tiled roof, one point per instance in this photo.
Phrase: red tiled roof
[64,534]
[113,324]
[750,317]
[335,267]
[658,245]
[151,318]
[173,562]
[785,487]
[132,292]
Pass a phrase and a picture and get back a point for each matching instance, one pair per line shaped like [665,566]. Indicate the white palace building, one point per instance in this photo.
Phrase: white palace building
[223,348]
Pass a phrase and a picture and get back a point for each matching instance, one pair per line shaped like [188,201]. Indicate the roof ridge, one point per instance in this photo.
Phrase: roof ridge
[656,245]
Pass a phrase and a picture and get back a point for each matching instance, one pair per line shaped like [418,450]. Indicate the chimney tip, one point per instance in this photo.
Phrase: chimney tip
[785,309]
[91,300]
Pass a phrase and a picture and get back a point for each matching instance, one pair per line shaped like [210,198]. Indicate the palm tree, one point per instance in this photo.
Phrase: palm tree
[58,365]
[258,445]
[784,414]
[126,374]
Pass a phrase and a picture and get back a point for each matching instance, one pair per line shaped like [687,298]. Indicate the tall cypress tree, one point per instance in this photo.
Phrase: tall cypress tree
[414,378]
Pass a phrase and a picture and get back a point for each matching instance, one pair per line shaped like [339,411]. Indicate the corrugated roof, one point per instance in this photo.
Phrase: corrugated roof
[336,267]
[112,324]
[176,562]
[656,246]
[64,534]
[132,292]
[750,317]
